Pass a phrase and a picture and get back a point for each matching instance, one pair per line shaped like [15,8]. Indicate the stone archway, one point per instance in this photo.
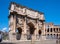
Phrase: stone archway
[18,33]
[31,30]
[39,32]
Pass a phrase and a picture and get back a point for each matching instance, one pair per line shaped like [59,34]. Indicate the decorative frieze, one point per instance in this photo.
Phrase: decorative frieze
[26,11]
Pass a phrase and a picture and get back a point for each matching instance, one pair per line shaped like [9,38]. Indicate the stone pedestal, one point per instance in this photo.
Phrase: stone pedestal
[12,36]
[24,37]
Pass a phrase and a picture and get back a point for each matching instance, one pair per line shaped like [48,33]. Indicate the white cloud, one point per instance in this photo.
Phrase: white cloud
[4,29]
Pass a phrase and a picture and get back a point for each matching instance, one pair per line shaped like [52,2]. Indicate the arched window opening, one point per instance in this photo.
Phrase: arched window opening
[47,36]
[57,36]
[51,30]
[57,29]
[54,29]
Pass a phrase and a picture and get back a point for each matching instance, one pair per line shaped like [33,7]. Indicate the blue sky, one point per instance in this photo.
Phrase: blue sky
[50,8]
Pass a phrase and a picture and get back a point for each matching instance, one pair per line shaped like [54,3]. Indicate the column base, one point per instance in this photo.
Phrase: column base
[12,36]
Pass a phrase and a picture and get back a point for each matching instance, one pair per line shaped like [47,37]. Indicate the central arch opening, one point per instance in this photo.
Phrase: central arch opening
[31,30]
[19,33]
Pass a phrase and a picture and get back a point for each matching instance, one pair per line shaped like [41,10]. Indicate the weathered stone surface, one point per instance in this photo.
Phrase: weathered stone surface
[26,22]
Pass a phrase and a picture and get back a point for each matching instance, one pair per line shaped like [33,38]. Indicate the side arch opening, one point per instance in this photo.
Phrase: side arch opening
[18,33]
[39,32]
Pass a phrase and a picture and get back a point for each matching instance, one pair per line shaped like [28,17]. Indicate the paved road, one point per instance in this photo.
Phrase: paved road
[29,42]
[6,43]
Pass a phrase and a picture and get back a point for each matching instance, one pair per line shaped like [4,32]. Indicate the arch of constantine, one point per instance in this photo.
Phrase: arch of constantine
[25,23]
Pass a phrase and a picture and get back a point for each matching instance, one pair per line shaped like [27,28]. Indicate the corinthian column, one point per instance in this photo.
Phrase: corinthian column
[12,33]
[24,34]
